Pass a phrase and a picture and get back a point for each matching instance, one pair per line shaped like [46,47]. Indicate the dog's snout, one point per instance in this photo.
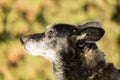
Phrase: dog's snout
[23,39]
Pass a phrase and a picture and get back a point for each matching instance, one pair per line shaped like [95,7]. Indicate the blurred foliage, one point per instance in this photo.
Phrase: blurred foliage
[20,17]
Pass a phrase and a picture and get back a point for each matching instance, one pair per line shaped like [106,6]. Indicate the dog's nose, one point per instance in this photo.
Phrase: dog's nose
[23,40]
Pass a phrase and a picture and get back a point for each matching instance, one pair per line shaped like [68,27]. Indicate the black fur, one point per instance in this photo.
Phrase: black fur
[72,51]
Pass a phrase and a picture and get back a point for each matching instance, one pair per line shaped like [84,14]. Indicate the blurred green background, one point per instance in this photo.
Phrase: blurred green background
[20,17]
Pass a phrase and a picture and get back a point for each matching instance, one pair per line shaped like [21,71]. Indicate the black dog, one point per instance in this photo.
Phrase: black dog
[72,51]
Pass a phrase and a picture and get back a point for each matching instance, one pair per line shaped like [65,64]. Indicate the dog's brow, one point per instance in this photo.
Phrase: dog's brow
[49,26]
[81,37]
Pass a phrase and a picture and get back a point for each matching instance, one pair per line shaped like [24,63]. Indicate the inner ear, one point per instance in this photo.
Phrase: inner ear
[92,33]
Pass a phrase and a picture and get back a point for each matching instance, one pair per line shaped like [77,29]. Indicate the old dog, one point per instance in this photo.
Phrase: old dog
[72,51]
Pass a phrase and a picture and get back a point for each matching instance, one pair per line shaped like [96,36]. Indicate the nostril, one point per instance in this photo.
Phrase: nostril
[23,40]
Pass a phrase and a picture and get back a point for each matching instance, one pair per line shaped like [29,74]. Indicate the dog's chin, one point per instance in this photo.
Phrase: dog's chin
[48,54]
[32,54]
[31,51]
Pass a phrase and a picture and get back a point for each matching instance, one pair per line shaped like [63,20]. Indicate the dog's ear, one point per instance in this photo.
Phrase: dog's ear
[91,31]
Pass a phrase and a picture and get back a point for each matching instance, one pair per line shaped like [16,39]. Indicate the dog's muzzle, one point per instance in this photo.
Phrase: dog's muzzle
[33,37]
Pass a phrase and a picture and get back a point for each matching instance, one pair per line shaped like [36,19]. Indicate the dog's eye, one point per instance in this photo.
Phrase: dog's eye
[50,34]
[81,43]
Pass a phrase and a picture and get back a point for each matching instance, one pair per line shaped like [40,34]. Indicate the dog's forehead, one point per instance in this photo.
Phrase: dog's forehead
[62,27]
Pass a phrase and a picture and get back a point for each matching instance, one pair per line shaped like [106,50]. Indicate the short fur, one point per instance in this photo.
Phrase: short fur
[72,51]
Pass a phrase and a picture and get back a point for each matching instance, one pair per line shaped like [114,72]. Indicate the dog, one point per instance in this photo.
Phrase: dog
[72,51]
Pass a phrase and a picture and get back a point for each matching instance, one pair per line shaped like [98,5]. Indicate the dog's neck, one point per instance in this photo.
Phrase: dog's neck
[78,64]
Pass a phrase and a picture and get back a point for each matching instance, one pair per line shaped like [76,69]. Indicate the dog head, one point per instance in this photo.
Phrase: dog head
[60,37]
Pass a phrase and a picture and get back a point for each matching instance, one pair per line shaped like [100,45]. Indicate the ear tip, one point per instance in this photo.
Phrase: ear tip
[103,32]
[93,23]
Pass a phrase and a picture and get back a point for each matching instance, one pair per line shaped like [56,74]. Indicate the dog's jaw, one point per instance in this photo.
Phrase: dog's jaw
[36,50]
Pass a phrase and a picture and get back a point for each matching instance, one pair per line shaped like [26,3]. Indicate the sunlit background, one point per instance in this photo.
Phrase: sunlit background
[20,17]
